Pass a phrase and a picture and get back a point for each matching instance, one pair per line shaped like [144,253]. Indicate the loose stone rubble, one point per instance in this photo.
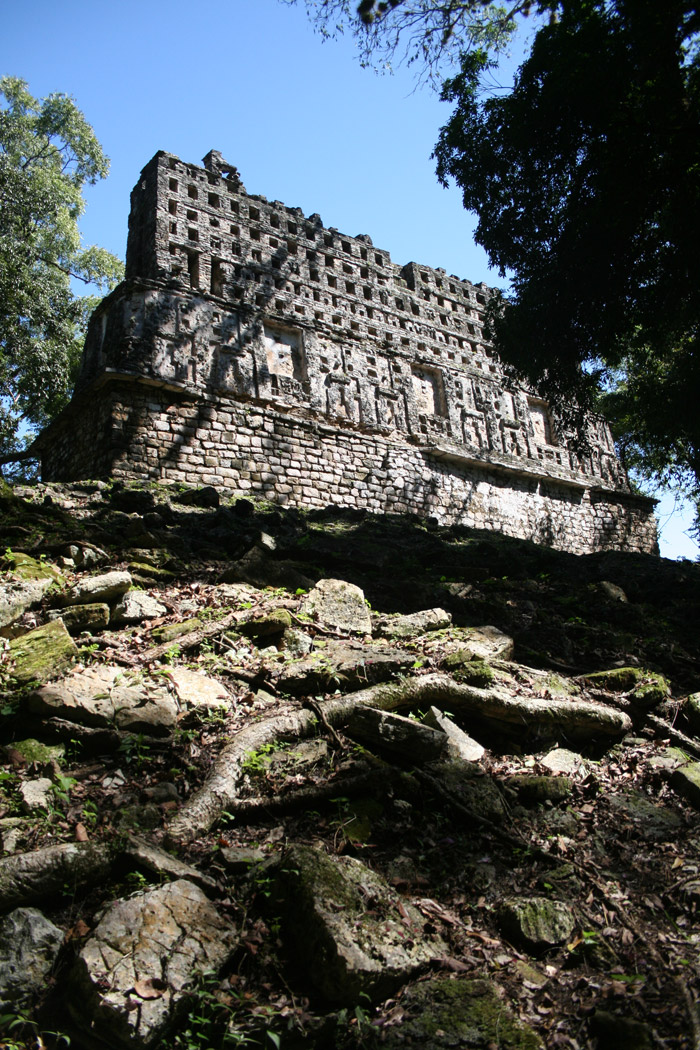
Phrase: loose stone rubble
[256,817]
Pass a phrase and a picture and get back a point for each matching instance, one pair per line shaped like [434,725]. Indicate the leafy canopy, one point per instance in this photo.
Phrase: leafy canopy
[425,34]
[586,182]
[48,152]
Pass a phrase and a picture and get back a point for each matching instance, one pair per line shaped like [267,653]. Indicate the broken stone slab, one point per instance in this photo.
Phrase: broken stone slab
[340,665]
[395,733]
[135,607]
[469,785]
[156,860]
[459,743]
[443,1013]
[686,782]
[413,624]
[643,818]
[561,760]
[273,623]
[107,696]
[36,794]
[41,654]
[16,596]
[297,643]
[195,690]
[29,946]
[489,643]
[171,631]
[239,860]
[644,689]
[33,752]
[351,931]
[105,588]
[91,617]
[532,789]
[536,922]
[27,877]
[137,966]
[338,606]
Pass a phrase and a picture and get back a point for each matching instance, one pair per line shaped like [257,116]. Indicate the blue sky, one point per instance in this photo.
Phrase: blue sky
[300,119]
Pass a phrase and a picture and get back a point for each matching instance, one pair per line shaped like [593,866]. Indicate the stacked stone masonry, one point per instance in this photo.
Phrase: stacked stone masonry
[251,348]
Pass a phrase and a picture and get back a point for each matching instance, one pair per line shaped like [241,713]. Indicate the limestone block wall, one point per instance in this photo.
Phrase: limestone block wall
[251,450]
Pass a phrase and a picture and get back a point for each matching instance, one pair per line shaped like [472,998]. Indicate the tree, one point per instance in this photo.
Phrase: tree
[48,153]
[427,34]
[586,182]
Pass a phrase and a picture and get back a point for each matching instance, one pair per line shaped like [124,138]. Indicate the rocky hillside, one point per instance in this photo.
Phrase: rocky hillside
[331,780]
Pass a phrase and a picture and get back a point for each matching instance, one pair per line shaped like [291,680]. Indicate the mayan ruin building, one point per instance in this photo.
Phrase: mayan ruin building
[251,348]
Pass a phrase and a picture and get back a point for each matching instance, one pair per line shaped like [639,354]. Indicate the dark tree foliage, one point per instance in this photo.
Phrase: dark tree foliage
[429,35]
[586,182]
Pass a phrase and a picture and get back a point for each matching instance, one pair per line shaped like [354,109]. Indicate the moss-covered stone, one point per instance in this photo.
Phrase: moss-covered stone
[141,570]
[457,1013]
[645,688]
[275,622]
[536,922]
[170,631]
[686,781]
[535,789]
[77,618]
[468,668]
[350,929]
[33,750]
[41,654]
[27,568]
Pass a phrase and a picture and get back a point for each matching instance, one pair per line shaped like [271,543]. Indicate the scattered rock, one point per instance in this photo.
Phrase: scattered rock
[239,860]
[273,623]
[614,1032]
[16,596]
[445,1013]
[489,643]
[340,665]
[414,624]
[645,689]
[643,818]
[686,781]
[36,794]
[105,696]
[171,631]
[534,789]
[34,752]
[195,690]
[93,616]
[459,743]
[42,654]
[468,668]
[351,930]
[338,606]
[561,760]
[106,588]
[297,643]
[157,861]
[29,945]
[536,922]
[134,607]
[206,497]
[391,732]
[144,954]
[472,787]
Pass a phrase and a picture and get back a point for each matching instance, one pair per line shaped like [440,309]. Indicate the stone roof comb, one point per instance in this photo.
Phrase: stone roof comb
[214,161]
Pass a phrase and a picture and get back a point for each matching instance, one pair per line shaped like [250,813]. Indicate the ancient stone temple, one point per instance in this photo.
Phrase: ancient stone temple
[251,348]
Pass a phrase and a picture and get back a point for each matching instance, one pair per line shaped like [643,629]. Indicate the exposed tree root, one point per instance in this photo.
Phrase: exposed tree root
[27,877]
[220,790]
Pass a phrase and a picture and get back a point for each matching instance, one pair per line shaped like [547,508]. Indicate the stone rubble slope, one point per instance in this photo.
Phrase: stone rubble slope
[448,801]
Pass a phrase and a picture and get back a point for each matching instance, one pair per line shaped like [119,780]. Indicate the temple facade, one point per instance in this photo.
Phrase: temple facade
[252,348]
